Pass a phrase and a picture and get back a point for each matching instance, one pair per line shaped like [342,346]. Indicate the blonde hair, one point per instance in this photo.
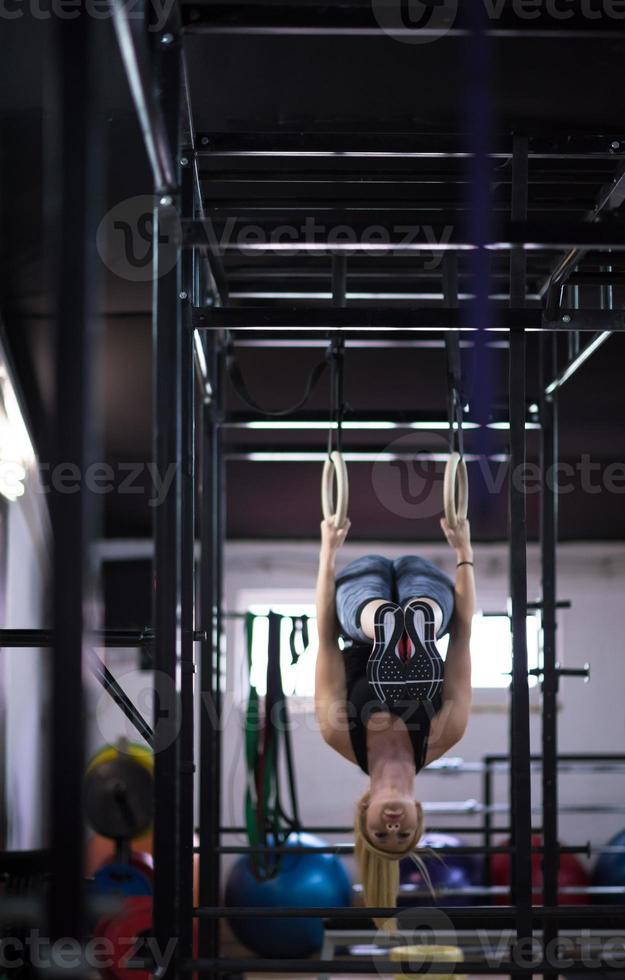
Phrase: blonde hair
[379,869]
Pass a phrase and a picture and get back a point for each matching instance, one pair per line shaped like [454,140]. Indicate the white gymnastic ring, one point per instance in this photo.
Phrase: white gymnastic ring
[455,482]
[334,468]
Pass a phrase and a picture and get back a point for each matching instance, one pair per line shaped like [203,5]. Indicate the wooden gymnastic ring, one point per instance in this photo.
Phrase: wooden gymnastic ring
[455,480]
[429,954]
[334,468]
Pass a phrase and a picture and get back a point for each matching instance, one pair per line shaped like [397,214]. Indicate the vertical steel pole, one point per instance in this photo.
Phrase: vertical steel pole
[219,536]
[187,582]
[75,183]
[487,799]
[208,721]
[520,743]
[167,339]
[548,540]
[211,525]
[520,773]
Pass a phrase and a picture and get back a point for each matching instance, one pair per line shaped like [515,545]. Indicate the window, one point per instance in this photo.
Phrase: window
[491,649]
[297,679]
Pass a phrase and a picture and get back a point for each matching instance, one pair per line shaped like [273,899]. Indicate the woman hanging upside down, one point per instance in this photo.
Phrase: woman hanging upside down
[387,702]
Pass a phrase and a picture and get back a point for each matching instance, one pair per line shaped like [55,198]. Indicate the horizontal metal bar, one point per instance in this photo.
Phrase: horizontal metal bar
[563,671]
[477,917]
[303,340]
[381,965]
[444,234]
[560,604]
[363,419]
[395,323]
[358,19]
[251,297]
[584,758]
[284,454]
[25,862]
[228,831]
[13,638]
[413,144]
[348,848]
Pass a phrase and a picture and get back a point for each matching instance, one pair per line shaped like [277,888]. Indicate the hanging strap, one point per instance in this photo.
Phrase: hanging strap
[455,395]
[260,757]
[268,825]
[238,383]
[334,355]
[277,718]
[299,630]
[252,744]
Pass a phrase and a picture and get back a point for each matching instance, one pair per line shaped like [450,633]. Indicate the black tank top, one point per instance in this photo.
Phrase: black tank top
[362,702]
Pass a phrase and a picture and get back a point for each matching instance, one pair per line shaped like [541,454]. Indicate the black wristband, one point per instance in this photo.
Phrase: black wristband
[464,563]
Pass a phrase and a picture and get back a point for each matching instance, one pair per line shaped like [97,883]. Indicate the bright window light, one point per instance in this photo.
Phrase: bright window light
[491,650]
[16,451]
[297,679]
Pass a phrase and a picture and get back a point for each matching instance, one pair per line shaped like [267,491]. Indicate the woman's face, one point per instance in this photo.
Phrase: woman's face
[392,823]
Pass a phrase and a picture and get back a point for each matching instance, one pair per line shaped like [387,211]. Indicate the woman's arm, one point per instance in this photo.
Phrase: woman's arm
[329,671]
[450,723]
[331,540]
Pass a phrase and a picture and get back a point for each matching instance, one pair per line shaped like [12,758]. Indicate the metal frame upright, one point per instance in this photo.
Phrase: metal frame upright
[548,540]
[211,573]
[75,182]
[168,443]
[520,778]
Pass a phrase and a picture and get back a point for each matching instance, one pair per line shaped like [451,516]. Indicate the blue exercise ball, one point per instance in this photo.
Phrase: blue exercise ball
[446,871]
[610,870]
[302,881]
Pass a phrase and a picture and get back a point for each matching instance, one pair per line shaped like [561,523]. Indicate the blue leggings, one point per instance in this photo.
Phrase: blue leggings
[375,577]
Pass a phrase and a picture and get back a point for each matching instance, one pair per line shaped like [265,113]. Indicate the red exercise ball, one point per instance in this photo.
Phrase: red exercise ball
[571,874]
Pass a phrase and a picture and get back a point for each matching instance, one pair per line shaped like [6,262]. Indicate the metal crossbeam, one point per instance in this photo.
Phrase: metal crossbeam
[415,145]
[441,233]
[395,324]
[474,917]
[380,965]
[358,18]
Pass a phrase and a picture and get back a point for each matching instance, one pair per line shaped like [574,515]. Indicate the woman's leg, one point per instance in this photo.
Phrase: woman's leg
[361,588]
[417,578]
[367,617]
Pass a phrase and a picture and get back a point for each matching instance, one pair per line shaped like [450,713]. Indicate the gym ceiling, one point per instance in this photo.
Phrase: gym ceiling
[558,83]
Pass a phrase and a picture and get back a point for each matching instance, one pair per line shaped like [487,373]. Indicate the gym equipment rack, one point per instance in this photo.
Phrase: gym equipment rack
[192,317]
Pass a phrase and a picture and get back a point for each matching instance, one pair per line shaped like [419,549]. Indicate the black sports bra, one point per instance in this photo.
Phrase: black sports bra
[362,702]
